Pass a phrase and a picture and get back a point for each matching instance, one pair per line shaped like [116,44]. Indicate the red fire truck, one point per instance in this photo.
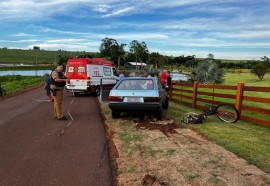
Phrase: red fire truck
[85,74]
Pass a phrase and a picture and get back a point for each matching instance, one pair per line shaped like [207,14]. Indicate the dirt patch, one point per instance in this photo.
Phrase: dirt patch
[164,153]
[166,126]
[149,180]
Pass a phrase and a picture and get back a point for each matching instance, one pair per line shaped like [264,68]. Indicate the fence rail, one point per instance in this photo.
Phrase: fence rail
[252,108]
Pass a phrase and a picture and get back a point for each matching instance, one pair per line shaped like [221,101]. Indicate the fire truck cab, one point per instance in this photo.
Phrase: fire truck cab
[85,74]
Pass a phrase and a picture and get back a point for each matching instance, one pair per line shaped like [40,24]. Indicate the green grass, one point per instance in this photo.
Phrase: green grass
[232,79]
[41,67]
[232,61]
[247,78]
[18,56]
[244,139]
[130,138]
[13,84]
[188,174]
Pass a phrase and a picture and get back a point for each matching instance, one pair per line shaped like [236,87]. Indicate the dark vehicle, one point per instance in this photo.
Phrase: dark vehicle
[138,94]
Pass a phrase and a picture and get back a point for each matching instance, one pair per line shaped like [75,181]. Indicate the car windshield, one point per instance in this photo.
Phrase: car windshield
[136,84]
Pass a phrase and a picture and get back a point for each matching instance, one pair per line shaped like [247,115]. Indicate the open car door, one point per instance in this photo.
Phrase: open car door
[106,84]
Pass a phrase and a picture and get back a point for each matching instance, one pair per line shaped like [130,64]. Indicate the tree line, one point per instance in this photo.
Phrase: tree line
[139,52]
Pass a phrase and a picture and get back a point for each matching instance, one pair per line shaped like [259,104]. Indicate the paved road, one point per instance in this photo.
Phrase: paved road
[32,153]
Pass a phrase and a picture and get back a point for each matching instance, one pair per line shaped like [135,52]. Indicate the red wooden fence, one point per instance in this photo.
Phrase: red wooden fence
[197,95]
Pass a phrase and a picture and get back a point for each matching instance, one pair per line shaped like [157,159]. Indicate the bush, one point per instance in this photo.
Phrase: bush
[259,70]
[207,73]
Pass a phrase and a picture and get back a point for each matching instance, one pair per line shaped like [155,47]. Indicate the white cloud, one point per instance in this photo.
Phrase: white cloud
[57,46]
[81,24]
[123,11]
[20,41]
[102,8]
[139,36]
[22,35]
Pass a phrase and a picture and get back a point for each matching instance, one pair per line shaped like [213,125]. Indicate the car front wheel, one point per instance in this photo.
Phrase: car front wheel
[116,114]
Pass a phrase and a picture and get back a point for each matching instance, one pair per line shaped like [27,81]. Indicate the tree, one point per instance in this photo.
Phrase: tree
[181,60]
[63,60]
[207,73]
[140,50]
[259,70]
[121,53]
[36,48]
[210,56]
[111,49]
[266,61]
[156,59]
[193,63]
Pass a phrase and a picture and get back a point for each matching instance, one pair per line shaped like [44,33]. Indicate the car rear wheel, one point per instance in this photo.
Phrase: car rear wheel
[165,104]
[116,114]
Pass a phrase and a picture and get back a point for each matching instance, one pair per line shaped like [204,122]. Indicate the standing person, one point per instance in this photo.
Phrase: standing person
[57,85]
[47,86]
[169,80]
[163,77]
[121,76]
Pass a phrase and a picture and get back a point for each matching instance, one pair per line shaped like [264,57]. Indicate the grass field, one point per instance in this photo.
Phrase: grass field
[18,56]
[14,84]
[246,140]
[232,79]
[247,78]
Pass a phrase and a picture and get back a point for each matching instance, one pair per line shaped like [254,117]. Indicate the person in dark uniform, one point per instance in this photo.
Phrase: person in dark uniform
[58,82]
[47,87]
[169,80]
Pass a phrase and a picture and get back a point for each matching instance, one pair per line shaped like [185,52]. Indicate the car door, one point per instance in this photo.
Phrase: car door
[106,84]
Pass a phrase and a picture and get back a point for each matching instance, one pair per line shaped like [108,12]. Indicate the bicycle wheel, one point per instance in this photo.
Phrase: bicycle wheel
[227,113]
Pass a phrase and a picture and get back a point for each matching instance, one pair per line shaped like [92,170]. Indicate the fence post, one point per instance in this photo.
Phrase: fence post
[194,97]
[239,97]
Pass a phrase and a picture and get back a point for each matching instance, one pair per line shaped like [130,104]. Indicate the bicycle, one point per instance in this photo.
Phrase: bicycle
[225,112]
[2,91]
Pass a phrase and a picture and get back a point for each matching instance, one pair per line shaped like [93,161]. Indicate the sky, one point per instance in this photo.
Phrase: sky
[228,29]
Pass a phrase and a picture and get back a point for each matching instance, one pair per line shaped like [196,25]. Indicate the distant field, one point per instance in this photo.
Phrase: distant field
[49,57]
[247,78]
[232,61]
[33,56]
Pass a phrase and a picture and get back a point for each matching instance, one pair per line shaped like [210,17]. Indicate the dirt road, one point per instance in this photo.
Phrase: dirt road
[32,151]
